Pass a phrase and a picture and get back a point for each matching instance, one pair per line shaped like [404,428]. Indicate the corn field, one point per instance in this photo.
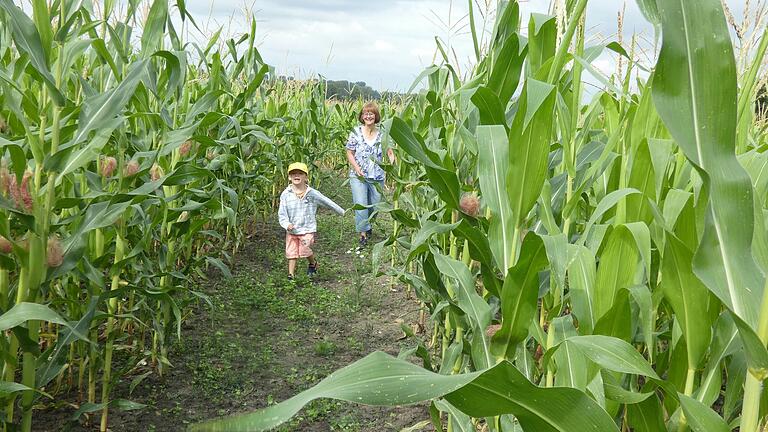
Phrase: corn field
[589,262]
[128,170]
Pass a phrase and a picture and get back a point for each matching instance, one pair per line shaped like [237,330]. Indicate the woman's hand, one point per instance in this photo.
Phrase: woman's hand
[391,155]
[353,163]
[290,227]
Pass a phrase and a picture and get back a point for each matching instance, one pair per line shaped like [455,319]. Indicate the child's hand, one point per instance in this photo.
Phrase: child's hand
[290,227]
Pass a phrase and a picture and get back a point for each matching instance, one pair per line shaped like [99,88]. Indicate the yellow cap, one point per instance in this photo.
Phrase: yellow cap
[298,166]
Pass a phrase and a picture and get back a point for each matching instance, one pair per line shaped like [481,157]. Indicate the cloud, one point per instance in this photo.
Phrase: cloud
[383,46]
[387,44]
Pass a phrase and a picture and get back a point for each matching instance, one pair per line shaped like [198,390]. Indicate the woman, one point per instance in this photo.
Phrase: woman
[366,176]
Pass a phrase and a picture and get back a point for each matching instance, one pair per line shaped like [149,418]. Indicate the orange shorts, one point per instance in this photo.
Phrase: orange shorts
[299,245]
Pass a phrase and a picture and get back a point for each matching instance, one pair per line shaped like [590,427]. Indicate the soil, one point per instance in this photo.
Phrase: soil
[264,339]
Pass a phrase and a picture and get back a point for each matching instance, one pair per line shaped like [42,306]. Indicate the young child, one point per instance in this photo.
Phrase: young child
[298,207]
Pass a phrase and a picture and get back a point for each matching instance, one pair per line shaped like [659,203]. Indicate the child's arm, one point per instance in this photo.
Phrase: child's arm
[282,214]
[327,202]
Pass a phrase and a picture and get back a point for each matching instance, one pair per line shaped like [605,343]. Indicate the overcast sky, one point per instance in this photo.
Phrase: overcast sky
[386,43]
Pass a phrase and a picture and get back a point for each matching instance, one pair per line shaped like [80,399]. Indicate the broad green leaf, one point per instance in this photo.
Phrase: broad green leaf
[470,302]
[460,422]
[581,280]
[42,21]
[756,165]
[492,169]
[67,161]
[642,237]
[154,27]
[98,215]
[519,297]
[700,113]
[529,147]
[504,390]
[23,312]
[754,348]
[617,268]
[380,379]
[56,360]
[662,151]
[689,299]
[615,323]
[443,178]
[650,12]
[641,178]
[479,247]
[99,111]
[505,72]
[613,354]
[121,404]
[557,253]
[28,41]
[507,21]
[491,110]
[573,369]
[725,341]
[605,204]
[643,299]
[542,38]
[615,392]
[10,387]
[429,228]
[646,416]
[701,418]
[18,159]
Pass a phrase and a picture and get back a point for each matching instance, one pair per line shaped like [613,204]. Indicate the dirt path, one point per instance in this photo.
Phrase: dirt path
[266,339]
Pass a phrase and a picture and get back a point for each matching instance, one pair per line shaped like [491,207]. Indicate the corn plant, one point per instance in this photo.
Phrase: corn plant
[589,267]
[129,164]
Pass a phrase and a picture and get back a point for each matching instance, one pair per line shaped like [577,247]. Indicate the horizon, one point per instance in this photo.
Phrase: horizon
[308,39]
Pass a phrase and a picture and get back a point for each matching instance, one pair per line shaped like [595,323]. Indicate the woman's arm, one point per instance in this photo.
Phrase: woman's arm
[353,162]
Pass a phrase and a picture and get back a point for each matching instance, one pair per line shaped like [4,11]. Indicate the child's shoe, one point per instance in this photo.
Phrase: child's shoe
[363,242]
[312,269]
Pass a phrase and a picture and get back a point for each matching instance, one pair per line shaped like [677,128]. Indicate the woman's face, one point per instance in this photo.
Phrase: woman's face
[369,118]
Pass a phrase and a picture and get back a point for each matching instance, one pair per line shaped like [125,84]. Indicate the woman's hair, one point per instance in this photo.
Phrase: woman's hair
[369,107]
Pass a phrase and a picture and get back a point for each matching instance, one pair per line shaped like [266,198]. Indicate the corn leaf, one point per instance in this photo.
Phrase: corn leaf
[380,379]
[492,168]
[700,113]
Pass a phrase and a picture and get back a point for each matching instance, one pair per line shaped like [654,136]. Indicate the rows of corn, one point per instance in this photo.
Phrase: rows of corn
[134,161]
[591,261]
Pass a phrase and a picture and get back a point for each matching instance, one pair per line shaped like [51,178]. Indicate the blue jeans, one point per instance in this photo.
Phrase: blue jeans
[365,192]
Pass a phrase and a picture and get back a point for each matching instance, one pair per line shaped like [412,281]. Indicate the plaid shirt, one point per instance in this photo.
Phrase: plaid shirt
[301,211]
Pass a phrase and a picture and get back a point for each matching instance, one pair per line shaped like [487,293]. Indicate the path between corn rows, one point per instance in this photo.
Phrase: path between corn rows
[264,340]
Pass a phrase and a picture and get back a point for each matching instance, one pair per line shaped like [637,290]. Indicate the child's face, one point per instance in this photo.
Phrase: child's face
[297,177]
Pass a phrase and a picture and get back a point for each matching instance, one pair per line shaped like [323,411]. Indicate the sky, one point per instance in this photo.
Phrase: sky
[388,43]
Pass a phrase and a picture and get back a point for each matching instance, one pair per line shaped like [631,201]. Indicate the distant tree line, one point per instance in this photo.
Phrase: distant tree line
[344,90]
[347,90]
